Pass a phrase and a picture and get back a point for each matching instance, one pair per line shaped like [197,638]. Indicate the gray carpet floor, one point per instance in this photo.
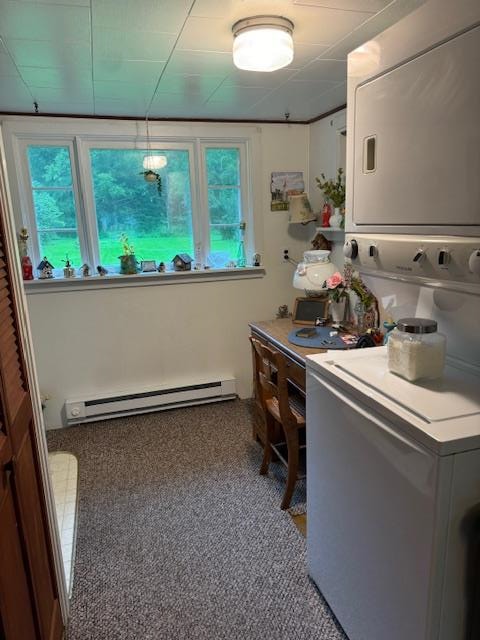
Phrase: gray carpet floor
[180,538]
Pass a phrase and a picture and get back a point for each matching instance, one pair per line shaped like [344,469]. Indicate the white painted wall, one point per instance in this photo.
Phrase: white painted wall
[325,156]
[102,340]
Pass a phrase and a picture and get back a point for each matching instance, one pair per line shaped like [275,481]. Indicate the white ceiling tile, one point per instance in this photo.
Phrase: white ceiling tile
[109,44]
[141,71]
[239,78]
[345,5]
[307,90]
[67,108]
[238,95]
[168,104]
[325,26]
[54,22]
[134,15]
[41,53]
[306,53]
[200,62]
[7,68]
[394,12]
[80,3]
[57,77]
[332,99]
[133,108]
[124,91]
[189,84]
[331,70]
[206,34]
[67,94]
[12,87]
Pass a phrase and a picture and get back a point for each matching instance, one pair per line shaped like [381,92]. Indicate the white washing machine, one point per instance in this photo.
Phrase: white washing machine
[393,495]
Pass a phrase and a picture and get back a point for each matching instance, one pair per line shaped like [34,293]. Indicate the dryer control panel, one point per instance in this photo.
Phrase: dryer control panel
[439,258]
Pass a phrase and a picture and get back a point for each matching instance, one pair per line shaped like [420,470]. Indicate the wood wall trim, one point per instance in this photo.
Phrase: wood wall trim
[23,114]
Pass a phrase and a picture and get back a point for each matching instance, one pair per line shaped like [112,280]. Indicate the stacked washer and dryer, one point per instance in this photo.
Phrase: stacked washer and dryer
[393,485]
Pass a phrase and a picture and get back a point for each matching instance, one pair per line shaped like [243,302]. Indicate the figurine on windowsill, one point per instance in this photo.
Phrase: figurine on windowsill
[68,270]
[26,263]
[45,269]
[85,270]
[161,267]
[101,270]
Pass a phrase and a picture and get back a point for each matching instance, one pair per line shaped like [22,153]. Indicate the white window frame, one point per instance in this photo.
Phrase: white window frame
[28,208]
[82,135]
[245,192]
[84,148]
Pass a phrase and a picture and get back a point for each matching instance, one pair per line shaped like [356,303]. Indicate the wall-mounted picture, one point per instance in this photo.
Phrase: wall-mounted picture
[283,185]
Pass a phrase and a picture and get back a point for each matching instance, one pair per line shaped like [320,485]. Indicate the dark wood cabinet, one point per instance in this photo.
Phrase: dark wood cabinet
[29,603]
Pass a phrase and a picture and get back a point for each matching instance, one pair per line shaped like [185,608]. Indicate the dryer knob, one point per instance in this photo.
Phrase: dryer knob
[443,257]
[419,256]
[350,249]
[474,262]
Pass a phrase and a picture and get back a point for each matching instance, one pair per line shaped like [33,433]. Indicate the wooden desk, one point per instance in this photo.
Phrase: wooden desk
[274,333]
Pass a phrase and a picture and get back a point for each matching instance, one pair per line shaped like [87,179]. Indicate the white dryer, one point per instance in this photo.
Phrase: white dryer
[393,496]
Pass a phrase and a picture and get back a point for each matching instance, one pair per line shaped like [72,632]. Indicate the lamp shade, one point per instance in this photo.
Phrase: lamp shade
[262,43]
[311,274]
[300,209]
[152,162]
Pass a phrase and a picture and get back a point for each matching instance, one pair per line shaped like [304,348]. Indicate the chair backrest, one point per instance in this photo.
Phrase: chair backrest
[271,377]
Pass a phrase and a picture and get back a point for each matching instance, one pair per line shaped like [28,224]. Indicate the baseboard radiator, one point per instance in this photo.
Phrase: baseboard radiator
[147,400]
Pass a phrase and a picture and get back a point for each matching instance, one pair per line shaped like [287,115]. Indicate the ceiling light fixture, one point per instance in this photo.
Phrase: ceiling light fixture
[262,43]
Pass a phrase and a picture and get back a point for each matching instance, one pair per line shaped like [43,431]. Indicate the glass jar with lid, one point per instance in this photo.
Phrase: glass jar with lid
[416,350]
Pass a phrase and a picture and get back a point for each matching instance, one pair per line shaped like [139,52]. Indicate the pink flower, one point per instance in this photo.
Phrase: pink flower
[335,280]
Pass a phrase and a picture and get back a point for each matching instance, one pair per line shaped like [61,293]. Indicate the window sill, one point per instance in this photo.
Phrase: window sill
[115,281]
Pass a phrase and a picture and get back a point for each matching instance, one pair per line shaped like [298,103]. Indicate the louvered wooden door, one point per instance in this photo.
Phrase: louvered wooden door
[29,605]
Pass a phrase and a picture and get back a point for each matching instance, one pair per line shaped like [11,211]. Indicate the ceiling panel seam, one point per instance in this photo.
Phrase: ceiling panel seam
[4,43]
[147,113]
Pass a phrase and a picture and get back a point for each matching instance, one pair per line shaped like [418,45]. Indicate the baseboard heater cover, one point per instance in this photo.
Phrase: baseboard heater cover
[121,404]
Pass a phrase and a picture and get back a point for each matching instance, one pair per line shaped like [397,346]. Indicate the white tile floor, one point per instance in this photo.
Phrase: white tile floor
[64,475]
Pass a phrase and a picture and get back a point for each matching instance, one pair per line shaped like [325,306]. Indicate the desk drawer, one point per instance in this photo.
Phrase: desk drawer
[296,373]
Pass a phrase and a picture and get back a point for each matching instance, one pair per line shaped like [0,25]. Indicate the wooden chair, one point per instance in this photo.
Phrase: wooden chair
[279,407]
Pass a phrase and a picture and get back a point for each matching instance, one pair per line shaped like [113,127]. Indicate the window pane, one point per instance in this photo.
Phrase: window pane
[224,241]
[57,245]
[223,166]
[158,226]
[54,209]
[224,206]
[50,166]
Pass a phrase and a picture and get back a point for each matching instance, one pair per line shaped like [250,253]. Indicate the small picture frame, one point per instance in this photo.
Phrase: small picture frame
[148,266]
[307,310]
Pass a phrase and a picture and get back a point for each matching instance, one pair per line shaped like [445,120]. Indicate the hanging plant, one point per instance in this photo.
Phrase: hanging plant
[152,176]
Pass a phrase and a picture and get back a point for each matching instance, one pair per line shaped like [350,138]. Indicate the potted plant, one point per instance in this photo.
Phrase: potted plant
[334,191]
[128,262]
[337,294]
[152,176]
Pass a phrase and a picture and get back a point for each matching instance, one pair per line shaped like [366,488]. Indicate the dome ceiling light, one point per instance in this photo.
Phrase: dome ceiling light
[262,43]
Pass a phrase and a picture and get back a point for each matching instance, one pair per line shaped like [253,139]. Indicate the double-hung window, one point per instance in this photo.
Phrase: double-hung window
[54,201]
[84,193]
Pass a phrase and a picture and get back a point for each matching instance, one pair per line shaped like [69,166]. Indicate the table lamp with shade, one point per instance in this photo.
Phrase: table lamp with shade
[300,209]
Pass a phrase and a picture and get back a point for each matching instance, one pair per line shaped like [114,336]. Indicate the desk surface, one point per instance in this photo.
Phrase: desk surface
[276,331]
